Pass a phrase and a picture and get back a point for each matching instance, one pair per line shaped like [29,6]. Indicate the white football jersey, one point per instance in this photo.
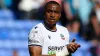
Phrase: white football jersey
[51,42]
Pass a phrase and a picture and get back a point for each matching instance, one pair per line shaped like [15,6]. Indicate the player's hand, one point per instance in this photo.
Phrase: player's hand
[72,46]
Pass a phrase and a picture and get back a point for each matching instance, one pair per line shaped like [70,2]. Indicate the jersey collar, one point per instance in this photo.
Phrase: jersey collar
[49,28]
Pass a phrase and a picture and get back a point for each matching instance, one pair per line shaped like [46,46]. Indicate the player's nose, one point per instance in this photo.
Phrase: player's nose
[52,15]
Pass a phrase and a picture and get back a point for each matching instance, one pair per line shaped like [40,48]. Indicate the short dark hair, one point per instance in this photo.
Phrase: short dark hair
[51,2]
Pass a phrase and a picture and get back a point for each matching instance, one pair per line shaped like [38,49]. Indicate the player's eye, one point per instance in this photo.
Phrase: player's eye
[57,12]
[49,11]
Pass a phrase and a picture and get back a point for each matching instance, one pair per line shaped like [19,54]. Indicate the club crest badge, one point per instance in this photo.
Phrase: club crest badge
[62,37]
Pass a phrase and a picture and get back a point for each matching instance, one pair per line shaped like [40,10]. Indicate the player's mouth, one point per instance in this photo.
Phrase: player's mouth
[52,19]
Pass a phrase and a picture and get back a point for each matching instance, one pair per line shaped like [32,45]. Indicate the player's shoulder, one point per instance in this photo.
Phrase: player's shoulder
[61,27]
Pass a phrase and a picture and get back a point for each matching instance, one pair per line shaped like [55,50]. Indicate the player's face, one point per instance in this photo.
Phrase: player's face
[52,13]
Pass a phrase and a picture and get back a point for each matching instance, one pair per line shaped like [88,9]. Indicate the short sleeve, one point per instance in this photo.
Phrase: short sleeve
[35,38]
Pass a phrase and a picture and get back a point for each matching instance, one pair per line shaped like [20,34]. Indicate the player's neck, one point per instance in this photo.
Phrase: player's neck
[50,27]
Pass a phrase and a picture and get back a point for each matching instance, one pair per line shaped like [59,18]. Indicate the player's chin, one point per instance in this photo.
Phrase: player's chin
[53,22]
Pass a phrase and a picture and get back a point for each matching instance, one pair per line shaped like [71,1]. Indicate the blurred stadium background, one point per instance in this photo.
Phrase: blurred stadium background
[17,17]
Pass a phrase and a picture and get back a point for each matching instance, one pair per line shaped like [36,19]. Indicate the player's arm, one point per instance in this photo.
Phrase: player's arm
[35,50]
